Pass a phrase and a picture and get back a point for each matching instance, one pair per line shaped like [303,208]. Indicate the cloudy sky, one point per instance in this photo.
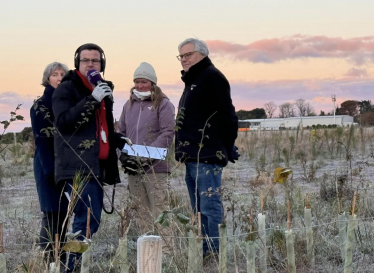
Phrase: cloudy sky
[269,50]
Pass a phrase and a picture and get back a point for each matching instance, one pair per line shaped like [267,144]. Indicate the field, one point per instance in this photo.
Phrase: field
[327,164]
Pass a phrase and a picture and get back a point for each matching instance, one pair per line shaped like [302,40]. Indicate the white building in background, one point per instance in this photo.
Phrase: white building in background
[294,122]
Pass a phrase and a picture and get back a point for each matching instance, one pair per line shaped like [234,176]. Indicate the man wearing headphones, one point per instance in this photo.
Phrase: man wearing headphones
[85,142]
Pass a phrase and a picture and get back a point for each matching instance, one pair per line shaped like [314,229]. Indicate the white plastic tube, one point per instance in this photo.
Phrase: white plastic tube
[262,242]
[52,268]
[122,255]
[2,263]
[290,251]
[349,244]
[86,260]
[222,249]
[309,236]
[195,255]
[251,257]
[342,225]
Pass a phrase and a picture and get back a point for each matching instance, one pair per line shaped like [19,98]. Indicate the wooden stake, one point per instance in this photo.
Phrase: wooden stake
[15,146]
[338,196]
[222,248]
[88,223]
[1,239]
[262,202]
[56,249]
[250,221]
[193,219]
[149,254]
[123,223]
[199,223]
[307,205]
[354,202]
[288,215]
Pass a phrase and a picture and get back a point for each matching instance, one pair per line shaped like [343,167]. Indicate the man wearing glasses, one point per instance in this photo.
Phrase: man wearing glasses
[205,134]
[85,141]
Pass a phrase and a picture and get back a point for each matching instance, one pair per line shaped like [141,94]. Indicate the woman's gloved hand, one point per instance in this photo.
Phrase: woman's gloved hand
[130,164]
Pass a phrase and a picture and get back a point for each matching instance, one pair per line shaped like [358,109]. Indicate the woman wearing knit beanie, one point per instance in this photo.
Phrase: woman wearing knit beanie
[148,118]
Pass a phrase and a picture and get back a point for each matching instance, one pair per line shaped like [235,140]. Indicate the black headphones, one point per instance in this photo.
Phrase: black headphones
[89,46]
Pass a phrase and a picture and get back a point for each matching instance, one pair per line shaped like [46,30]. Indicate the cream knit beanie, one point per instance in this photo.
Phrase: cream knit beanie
[145,71]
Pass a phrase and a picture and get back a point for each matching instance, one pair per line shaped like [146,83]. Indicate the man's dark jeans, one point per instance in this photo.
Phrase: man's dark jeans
[91,197]
[207,197]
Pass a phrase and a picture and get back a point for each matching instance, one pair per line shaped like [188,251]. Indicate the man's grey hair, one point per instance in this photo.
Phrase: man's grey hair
[199,46]
[49,69]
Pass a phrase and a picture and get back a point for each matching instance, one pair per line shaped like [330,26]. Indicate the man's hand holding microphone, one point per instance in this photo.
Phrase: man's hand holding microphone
[102,89]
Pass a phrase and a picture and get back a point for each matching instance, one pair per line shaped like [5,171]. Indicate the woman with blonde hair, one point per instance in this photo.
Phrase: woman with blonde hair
[148,118]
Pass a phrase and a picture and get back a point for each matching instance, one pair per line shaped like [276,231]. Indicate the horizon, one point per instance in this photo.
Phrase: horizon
[269,51]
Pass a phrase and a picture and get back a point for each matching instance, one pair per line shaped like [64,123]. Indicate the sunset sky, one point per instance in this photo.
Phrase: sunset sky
[269,50]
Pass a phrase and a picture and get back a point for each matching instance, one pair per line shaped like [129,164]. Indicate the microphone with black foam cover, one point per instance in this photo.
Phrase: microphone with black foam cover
[95,78]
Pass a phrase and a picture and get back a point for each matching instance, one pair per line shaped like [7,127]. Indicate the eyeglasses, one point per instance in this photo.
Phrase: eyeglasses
[87,61]
[186,55]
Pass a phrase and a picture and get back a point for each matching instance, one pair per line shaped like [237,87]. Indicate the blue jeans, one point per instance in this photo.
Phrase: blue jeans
[207,198]
[91,197]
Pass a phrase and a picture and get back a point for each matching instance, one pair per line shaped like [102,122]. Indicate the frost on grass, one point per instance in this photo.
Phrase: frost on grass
[328,166]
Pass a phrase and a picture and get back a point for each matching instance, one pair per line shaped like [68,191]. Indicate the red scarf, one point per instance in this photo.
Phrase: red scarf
[101,123]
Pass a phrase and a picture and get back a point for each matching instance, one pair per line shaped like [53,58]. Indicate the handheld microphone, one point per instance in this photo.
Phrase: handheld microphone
[95,78]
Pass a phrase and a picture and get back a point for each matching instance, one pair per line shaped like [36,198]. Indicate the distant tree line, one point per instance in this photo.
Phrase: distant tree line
[361,111]
[23,136]
[256,113]
[298,108]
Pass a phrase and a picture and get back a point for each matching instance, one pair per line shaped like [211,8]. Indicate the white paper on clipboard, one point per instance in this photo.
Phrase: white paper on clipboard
[145,151]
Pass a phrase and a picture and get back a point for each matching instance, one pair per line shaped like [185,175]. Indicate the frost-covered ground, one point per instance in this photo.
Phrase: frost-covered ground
[316,161]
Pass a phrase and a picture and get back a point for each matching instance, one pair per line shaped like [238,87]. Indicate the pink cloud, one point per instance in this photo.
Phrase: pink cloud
[356,73]
[359,49]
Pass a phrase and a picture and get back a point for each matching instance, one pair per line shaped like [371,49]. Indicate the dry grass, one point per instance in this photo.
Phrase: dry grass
[316,160]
